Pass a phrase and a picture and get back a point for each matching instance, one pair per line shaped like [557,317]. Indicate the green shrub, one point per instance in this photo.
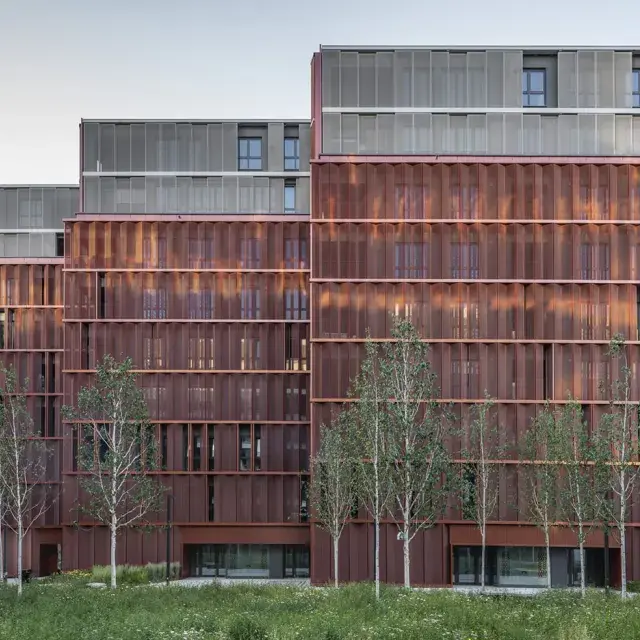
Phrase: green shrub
[332,634]
[247,629]
[157,571]
[633,586]
[125,574]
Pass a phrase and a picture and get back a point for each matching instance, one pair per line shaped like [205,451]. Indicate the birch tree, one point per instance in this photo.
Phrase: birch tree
[333,483]
[23,465]
[481,487]
[580,504]
[542,474]
[617,444]
[420,464]
[117,451]
[369,426]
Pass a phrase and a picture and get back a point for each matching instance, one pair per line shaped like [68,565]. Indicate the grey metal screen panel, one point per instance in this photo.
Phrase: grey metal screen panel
[623,63]
[229,146]
[138,148]
[12,208]
[512,133]
[3,208]
[153,191]
[367,80]
[495,78]
[199,147]
[605,127]
[138,195]
[245,194]
[422,133]
[331,134]
[276,195]
[349,133]
[477,133]
[168,146]
[330,78]
[624,140]
[348,79]
[567,79]
[403,76]
[152,141]
[230,194]
[549,135]
[440,78]
[275,153]
[440,133]
[304,133]
[10,245]
[214,147]
[35,245]
[90,145]
[568,134]
[513,78]
[302,195]
[403,133]
[458,134]
[605,80]
[123,147]
[107,195]
[261,195]
[636,137]
[384,79]
[185,195]
[216,195]
[476,79]
[48,245]
[495,133]
[531,134]
[457,80]
[107,147]
[386,124]
[24,245]
[91,195]
[367,135]
[587,135]
[586,79]
[422,78]
[183,133]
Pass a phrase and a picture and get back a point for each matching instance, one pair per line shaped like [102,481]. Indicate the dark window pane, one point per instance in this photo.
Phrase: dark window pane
[636,80]
[289,199]
[250,154]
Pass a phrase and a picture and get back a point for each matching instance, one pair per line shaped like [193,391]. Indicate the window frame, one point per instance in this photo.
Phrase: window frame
[248,161]
[635,82]
[293,160]
[527,91]
[289,185]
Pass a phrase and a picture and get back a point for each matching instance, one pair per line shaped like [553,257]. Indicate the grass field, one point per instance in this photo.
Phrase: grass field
[69,611]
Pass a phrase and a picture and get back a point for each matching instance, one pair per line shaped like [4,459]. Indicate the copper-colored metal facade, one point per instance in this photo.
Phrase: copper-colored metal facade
[213,309]
[518,271]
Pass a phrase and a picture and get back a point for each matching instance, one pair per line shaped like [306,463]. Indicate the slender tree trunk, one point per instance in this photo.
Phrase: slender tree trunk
[113,531]
[20,537]
[546,541]
[407,558]
[623,560]
[583,582]
[377,558]
[483,534]
[2,549]
[336,582]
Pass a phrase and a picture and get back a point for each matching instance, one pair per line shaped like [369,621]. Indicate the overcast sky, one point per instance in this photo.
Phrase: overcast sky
[62,60]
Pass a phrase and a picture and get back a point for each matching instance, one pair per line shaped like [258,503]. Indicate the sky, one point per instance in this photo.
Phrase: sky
[63,60]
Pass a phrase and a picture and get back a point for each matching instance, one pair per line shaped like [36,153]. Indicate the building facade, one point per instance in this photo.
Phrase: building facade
[491,195]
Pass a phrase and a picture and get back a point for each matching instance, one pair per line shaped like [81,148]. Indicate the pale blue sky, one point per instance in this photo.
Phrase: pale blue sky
[61,60]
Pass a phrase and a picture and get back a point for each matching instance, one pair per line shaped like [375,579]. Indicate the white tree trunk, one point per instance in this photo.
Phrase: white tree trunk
[583,582]
[377,557]
[483,534]
[19,541]
[546,541]
[113,531]
[2,549]
[623,561]
[407,559]
[335,562]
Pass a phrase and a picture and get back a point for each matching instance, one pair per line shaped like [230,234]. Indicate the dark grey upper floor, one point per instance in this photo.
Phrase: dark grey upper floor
[31,219]
[545,101]
[195,167]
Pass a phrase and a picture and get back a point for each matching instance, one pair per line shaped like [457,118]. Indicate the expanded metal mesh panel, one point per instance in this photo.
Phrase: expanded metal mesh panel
[275,157]
[181,245]
[331,79]
[446,191]
[587,134]
[476,79]
[586,79]
[457,80]
[348,79]
[422,79]
[229,146]
[512,79]
[331,134]
[385,89]
[423,133]
[531,135]
[606,135]
[568,134]
[605,74]
[513,133]
[495,79]
[440,78]
[623,87]
[567,79]
[367,80]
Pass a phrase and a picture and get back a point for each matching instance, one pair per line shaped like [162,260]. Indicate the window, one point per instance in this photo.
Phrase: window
[636,88]
[465,376]
[289,197]
[200,305]
[59,245]
[464,202]
[196,437]
[465,260]
[411,259]
[245,447]
[295,306]
[249,302]
[211,447]
[250,154]
[595,261]
[465,320]
[249,253]
[154,304]
[249,353]
[534,83]
[291,154]
[212,500]
[595,321]
[295,253]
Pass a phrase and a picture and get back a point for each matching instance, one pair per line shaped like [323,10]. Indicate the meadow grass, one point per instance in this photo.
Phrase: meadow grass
[70,611]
